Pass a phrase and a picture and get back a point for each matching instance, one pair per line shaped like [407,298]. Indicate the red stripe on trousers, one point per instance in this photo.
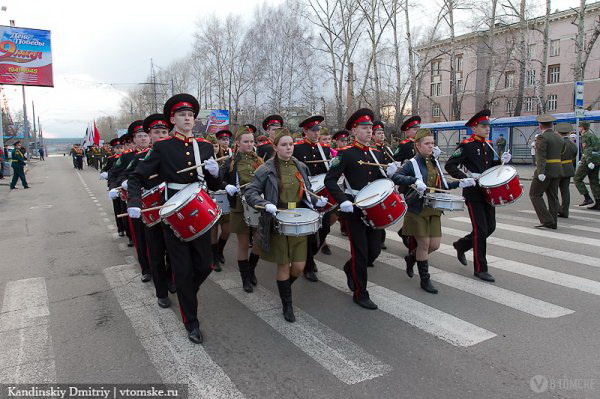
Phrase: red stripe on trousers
[475,253]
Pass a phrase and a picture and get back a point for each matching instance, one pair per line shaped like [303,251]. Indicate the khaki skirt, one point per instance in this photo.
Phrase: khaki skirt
[428,223]
[286,249]
[237,224]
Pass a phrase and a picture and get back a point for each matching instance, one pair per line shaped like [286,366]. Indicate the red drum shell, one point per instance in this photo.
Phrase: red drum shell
[504,190]
[388,210]
[318,186]
[150,199]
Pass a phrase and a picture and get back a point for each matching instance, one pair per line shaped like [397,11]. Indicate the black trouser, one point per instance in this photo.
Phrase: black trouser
[191,263]
[365,245]
[119,221]
[18,173]
[141,246]
[123,209]
[157,252]
[483,219]
[565,195]
[79,163]
[316,241]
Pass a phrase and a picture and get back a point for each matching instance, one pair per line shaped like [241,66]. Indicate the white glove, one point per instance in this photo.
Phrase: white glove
[420,186]
[104,176]
[474,175]
[231,189]
[468,182]
[591,165]
[506,157]
[541,177]
[113,194]
[124,185]
[347,206]
[212,167]
[270,208]
[322,202]
[392,169]
[134,213]
[436,152]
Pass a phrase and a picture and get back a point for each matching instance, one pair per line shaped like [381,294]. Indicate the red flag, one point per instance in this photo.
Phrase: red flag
[96,135]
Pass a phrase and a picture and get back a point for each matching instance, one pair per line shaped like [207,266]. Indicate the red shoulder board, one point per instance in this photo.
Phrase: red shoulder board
[374,149]
[489,141]
[295,142]
[345,148]
[325,145]
[163,139]
[201,140]
[467,140]
[405,141]
[144,150]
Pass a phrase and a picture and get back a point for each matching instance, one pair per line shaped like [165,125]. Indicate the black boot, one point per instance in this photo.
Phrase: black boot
[410,264]
[253,261]
[460,254]
[245,273]
[309,272]
[587,200]
[215,256]
[285,292]
[423,267]
[222,243]
[596,206]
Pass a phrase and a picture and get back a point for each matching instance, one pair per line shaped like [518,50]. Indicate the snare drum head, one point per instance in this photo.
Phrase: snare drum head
[298,215]
[179,198]
[445,196]
[376,192]
[494,176]
[317,182]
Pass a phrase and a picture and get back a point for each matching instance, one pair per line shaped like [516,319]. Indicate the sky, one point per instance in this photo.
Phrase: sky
[101,48]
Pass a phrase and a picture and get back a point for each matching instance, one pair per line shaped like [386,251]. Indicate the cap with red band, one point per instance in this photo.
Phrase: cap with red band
[363,116]
[482,117]
[135,127]
[412,122]
[156,121]
[272,120]
[181,102]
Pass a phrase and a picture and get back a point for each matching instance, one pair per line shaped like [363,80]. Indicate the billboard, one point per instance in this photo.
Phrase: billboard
[25,57]
[211,121]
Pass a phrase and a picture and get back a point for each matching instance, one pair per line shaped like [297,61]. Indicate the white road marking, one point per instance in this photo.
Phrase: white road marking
[102,213]
[106,220]
[111,226]
[337,354]
[123,246]
[560,223]
[163,336]
[26,353]
[588,212]
[560,220]
[481,289]
[543,234]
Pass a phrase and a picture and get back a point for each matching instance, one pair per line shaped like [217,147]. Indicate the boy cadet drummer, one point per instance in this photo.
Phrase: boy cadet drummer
[270,126]
[476,155]
[191,261]
[365,241]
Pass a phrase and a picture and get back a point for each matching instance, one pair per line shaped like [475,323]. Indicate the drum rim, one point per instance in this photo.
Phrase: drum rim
[204,230]
[319,217]
[390,191]
[183,204]
[508,203]
[495,168]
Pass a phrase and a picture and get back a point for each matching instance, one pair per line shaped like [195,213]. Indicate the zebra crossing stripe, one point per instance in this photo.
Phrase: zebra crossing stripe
[560,223]
[162,335]
[571,217]
[26,353]
[337,354]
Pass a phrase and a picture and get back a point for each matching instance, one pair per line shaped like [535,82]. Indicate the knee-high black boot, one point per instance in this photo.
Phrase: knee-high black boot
[215,256]
[423,267]
[253,261]
[222,243]
[410,260]
[285,292]
[245,273]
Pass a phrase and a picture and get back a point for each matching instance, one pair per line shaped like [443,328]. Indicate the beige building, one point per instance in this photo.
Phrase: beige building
[472,59]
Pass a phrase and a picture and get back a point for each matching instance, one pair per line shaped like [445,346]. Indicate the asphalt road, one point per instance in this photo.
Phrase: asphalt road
[73,310]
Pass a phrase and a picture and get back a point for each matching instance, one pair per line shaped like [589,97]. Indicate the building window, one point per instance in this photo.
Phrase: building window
[530,77]
[554,73]
[436,89]
[436,66]
[509,80]
[554,48]
[436,110]
[529,104]
[458,84]
[530,50]
[552,102]
[459,63]
[510,106]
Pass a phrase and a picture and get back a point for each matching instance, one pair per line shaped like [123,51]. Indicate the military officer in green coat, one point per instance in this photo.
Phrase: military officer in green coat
[548,148]
[567,160]
[18,164]
[589,166]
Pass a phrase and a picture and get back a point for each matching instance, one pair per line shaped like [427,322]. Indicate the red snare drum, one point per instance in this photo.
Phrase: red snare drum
[150,199]
[191,212]
[381,204]
[318,187]
[123,193]
[501,185]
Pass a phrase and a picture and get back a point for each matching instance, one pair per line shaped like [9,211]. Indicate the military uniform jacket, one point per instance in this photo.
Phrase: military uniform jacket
[405,150]
[139,157]
[110,162]
[386,153]
[357,176]
[568,157]
[242,173]
[265,151]
[591,148]
[17,158]
[114,174]
[307,150]
[548,149]
[476,156]
[166,157]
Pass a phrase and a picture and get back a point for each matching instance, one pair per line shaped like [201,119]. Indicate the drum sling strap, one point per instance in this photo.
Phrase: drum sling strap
[377,162]
[198,161]
[323,156]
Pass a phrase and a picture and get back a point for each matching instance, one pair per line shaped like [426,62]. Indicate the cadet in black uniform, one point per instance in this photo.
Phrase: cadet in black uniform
[110,162]
[191,261]
[308,151]
[218,241]
[388,157]
[365,241]
[406,148]
[270,125]
[476,155]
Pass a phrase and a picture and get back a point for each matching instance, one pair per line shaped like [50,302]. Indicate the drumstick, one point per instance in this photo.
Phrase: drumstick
[365,199]
[122,215]
[202,164]
[382,165]
[153,176]
[500,168]
[439,189]
[319,161]
[280,210]
[318,196]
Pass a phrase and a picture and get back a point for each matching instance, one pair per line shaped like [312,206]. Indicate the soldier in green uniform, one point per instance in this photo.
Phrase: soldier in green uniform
[18,164]
[501,144]
[567,160]
[283,181]
[548,149]
[96,157]
[589,166]
[237,173]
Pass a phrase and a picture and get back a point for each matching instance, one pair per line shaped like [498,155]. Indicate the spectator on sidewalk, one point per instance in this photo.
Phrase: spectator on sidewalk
[41,152]
[532,145]
[18,165]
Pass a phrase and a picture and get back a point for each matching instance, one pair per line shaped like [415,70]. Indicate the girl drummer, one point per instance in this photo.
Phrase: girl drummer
[283,182]
[238,172]
[421,173]
[218,241]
